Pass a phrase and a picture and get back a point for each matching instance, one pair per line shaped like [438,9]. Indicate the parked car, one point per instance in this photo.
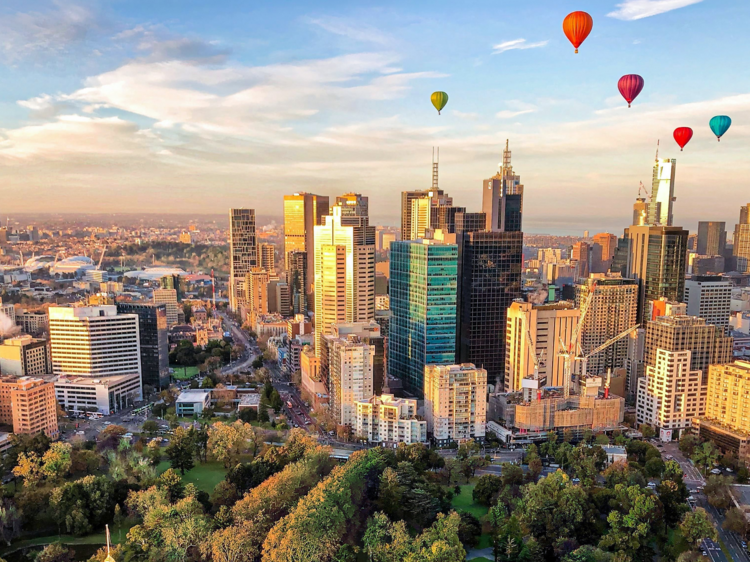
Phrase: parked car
[715,471]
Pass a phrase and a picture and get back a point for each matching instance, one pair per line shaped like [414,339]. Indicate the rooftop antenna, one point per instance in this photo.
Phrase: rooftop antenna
[435,161]
[506,157]
[657,150]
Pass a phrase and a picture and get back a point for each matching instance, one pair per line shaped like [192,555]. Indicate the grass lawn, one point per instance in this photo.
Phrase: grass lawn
[205,476]
[465,502]
[184,373]
[116,533]
[481,559]
[485,541]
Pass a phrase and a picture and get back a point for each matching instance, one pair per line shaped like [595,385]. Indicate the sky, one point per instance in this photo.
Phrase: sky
[188,106]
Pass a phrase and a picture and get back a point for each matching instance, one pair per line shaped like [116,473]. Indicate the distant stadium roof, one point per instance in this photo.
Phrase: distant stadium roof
[154,273]
[73,264]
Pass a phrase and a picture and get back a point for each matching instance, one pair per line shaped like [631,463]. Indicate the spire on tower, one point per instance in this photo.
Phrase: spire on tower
[506,158]
[435,161]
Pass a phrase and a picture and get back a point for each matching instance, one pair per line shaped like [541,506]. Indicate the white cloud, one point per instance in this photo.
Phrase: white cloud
[352,30]
[506,114]
[517,107]
[637,9]
[465,115]
[516,44]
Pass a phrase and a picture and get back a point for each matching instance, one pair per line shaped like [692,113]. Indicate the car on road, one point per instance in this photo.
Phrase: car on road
[715,471]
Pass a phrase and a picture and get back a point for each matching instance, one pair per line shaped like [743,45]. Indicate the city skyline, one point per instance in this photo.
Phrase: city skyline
[198,106]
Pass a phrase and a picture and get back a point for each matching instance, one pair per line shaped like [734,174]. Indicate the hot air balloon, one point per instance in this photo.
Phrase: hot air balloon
[630,86]
[577,26]
[683,135]
[719,125]
[439,99]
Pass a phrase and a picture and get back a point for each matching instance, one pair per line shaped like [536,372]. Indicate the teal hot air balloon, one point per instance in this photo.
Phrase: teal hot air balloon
[720,125]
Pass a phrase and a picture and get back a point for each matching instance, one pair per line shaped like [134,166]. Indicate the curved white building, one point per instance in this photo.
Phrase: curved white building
[76,264]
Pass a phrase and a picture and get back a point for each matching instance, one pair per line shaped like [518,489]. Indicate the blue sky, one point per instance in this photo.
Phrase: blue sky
[194,106]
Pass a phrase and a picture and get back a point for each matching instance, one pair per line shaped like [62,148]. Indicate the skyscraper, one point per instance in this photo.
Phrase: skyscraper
[423,293]
[662,192]
[712,238]
[545,325]
[168,298]
[256,294]
[581,255]
[658,260]
[603,250]
[741,248]
[302,212]
[613,309]
[267,256]
[353,205]
[489,280]
[297,266]
[344,271]
[153,336]
[502,198]
[243,253]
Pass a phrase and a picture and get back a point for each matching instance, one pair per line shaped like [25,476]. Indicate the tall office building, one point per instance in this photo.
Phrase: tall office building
[613,309]
[545,325]
[741,245]
[368,333]
[708,345]
[353,205]
[657,258]
[267,256]
[602,252]
[502,198]
[297,276]
[423,293]
[350,364]
[712,238]
[168,298]
[154,341]
[344,271]
[302,212]
[256,294]
[489,280]
[455,402]
[581,255]
[660,206]
[243,253]
[709,297]
[470,222]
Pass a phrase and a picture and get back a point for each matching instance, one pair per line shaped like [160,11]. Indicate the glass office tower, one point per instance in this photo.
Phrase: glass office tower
[423,295]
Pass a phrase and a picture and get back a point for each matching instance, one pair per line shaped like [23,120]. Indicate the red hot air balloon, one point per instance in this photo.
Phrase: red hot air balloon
[577,26]
[683,135]
[630,86]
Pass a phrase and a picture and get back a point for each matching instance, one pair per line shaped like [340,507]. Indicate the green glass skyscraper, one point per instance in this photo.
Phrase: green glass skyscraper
[423,295]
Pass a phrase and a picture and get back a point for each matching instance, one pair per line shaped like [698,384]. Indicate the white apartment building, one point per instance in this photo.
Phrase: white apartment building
[455,402]
[709,297]
[350,376]
[389,420]
[669,396]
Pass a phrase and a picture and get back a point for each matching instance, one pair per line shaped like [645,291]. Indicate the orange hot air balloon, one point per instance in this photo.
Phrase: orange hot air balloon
[577,26]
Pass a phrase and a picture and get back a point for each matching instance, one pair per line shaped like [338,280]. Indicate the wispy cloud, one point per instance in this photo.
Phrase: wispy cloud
[507,114]
[516,44]
[638,9]
[465,115]
[47,33]
[351,30]
[517,107]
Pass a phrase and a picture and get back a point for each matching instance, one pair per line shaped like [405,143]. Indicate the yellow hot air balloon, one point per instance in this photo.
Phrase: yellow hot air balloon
[439,99]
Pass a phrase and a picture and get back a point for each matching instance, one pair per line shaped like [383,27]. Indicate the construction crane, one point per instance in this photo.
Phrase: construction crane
[585,358]
[642,188]
[572,350]
[536,358]
[101,259]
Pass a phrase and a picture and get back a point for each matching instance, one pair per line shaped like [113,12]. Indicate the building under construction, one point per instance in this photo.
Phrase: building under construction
[517,420]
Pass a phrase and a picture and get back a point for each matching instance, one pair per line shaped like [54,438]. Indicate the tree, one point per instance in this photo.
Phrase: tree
[696,526]
[736,522]
[150,428]
[654,467]
[84,460]
[56,461]
[153,453]
[486,489]
[469,529]
[673,493]
[227,440]
[706,455]
[238,543]
[10,521]
[467,449]
[631,525]
[29,468]
[181,450]
[55,552]
[171,483]
[688,443]
[602,439]
[717,491]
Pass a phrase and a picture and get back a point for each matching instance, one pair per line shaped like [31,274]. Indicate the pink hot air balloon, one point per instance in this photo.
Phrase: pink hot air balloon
[630,86]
